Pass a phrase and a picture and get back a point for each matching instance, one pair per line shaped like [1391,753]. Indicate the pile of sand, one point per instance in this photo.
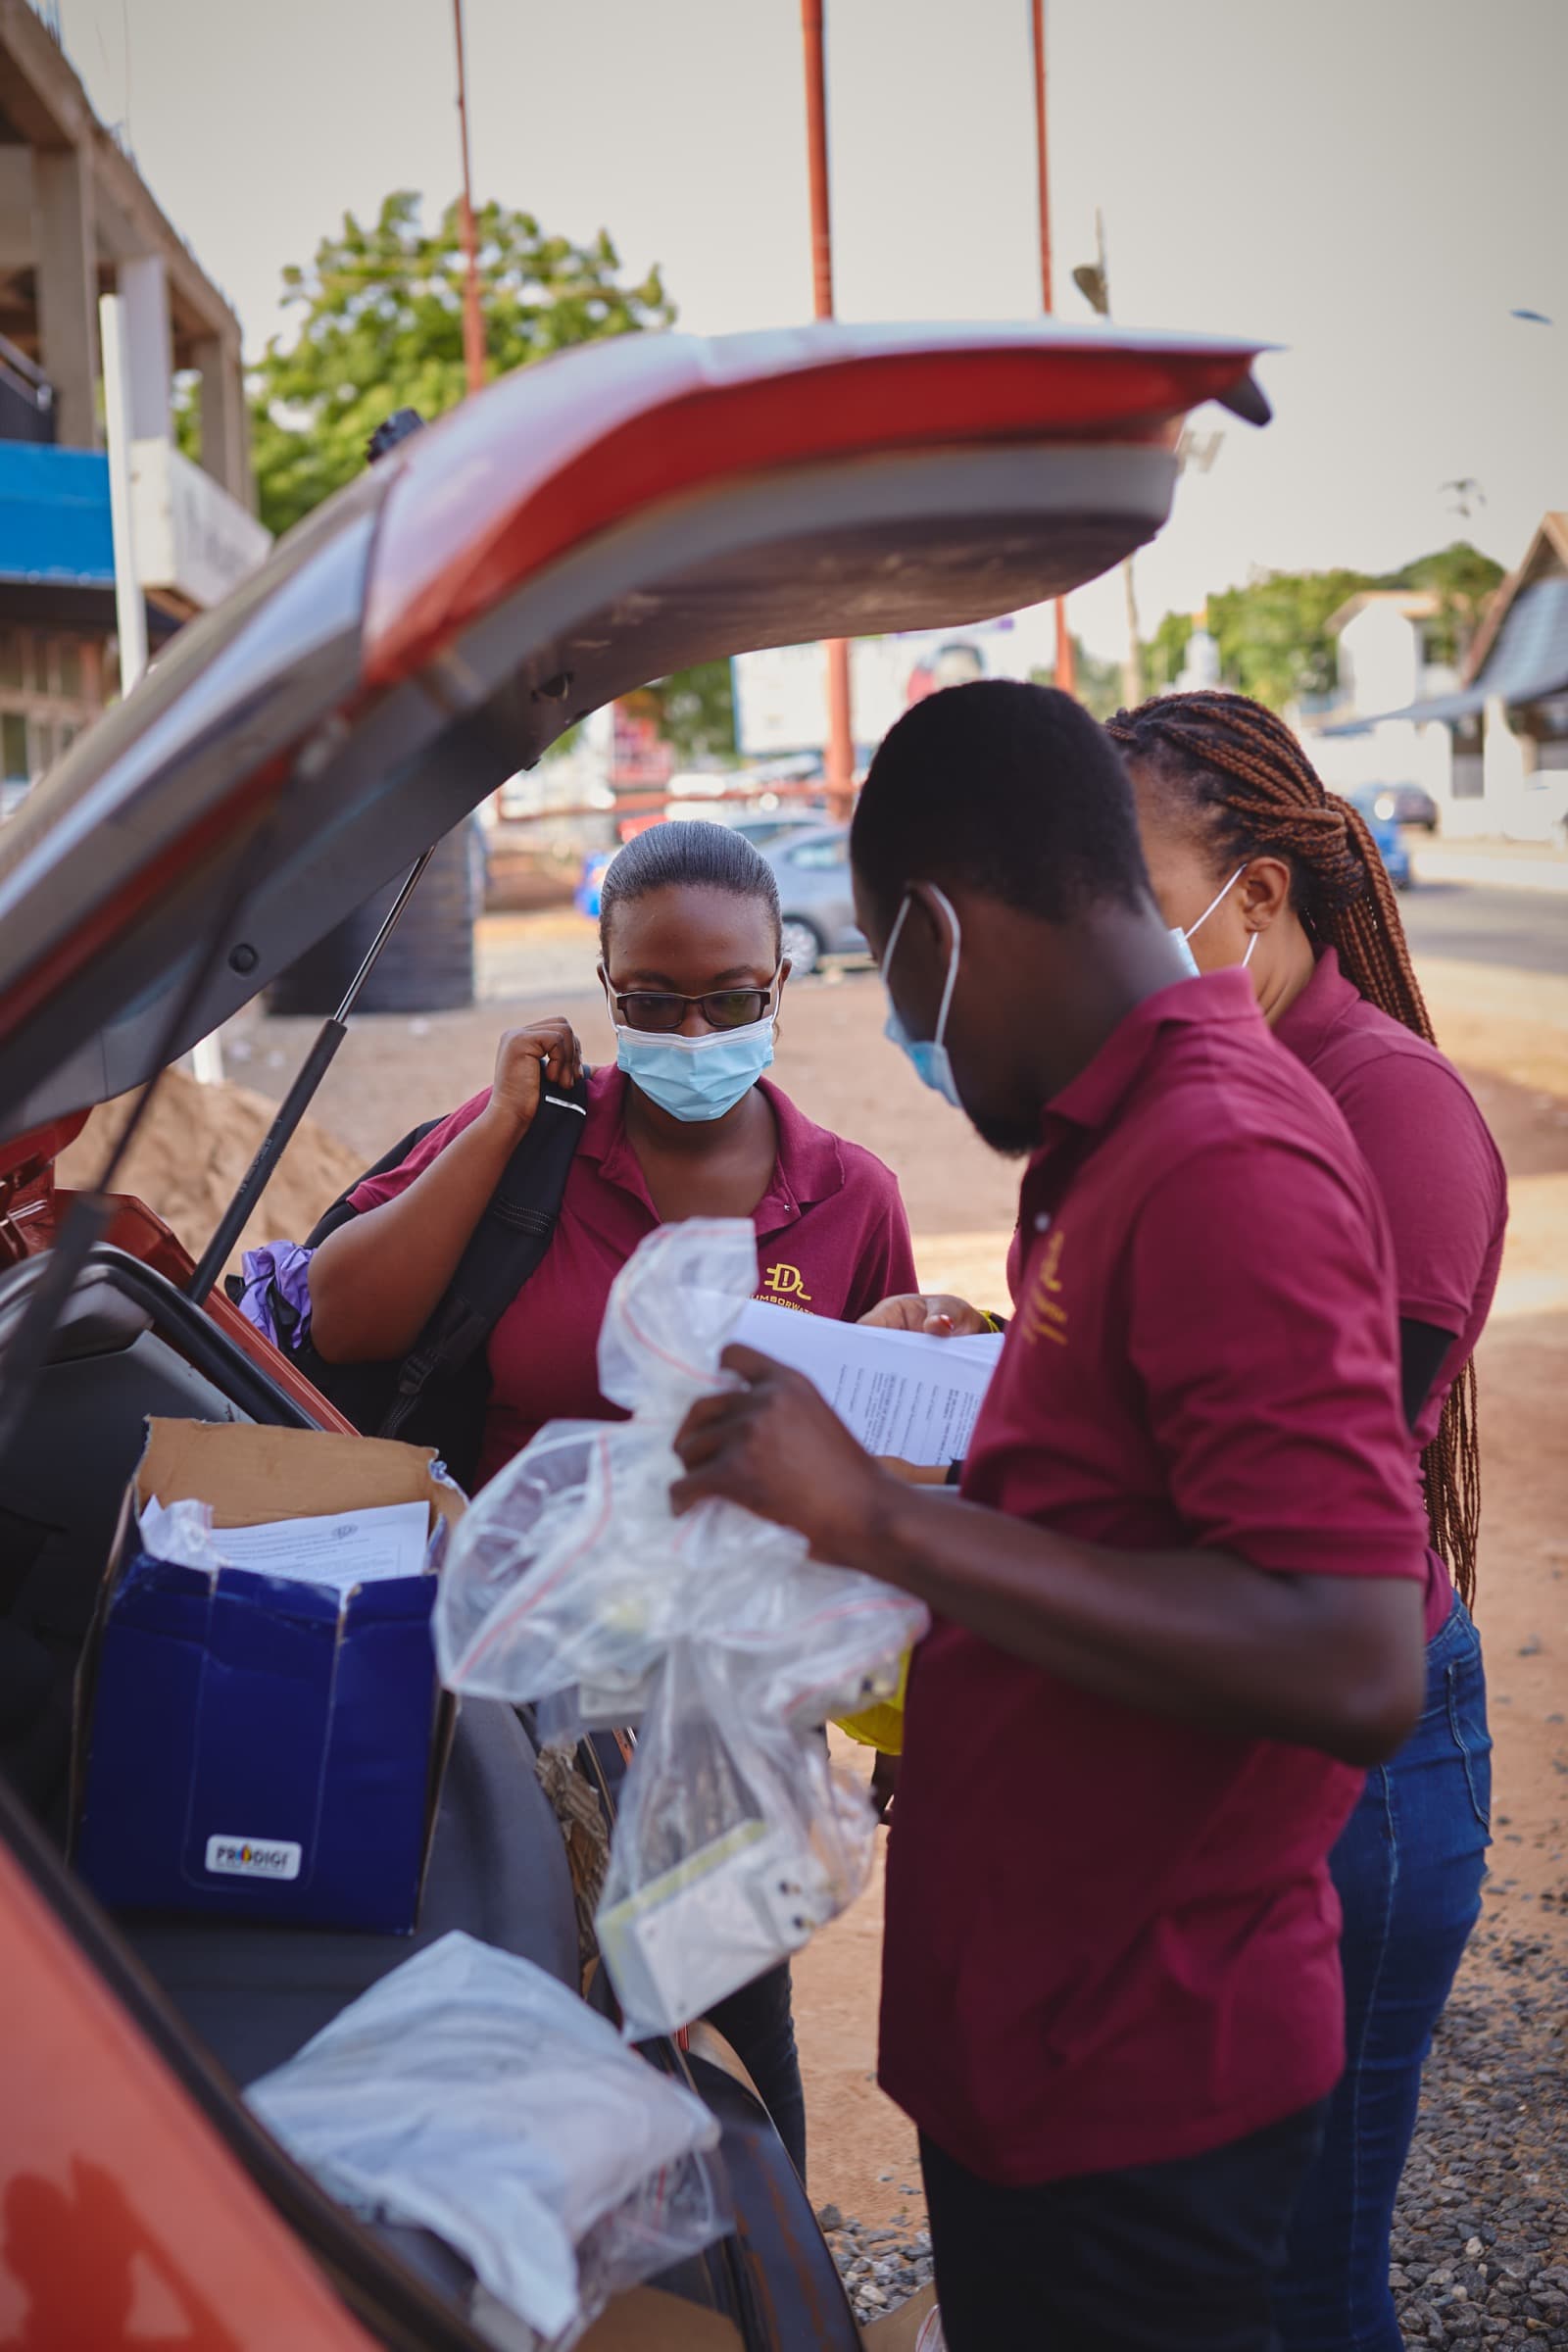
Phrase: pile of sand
[192,1151]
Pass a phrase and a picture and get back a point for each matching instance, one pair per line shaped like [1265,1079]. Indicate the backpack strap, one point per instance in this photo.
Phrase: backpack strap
[342,1208]
[503,1249]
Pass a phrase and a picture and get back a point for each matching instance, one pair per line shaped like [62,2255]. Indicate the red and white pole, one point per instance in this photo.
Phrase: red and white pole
[1067,667]
[839,764]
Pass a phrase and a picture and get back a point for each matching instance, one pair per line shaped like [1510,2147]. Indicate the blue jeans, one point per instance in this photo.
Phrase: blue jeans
[1408,1868]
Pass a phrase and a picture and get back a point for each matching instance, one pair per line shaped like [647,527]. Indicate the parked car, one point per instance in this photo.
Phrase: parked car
[815,900]
[586,898]
[1392,847]
[620,511]
[1407,805]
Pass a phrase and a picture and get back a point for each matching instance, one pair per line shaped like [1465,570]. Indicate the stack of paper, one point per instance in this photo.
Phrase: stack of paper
[901,1393]
[339,1550]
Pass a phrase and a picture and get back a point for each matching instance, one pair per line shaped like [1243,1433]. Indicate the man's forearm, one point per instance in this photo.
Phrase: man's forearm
[1329,1662]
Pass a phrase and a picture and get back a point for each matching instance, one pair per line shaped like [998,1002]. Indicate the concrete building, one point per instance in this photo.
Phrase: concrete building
[1384,663]
[1490,743]
[76,221]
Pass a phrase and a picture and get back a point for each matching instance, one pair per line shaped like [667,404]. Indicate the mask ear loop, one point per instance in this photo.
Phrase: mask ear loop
[1209,908]
[954,954]
[1250,944]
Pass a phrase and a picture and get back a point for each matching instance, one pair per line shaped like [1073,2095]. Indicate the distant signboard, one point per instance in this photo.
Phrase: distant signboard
[191,537]
[781,693]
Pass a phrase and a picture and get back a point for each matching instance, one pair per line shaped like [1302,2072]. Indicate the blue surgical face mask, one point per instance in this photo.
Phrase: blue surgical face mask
[696,1078]
[928,1055]
[1182,938]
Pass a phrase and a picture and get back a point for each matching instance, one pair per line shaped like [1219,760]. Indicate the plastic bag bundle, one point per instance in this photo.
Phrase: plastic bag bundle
[572,1585]
[470,2094]
[737,1840]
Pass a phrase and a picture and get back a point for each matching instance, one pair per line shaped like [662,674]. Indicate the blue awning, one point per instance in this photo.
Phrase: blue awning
[54,517]
[1528,664]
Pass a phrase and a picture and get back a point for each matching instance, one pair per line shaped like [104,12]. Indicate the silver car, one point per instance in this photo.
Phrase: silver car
[815,896]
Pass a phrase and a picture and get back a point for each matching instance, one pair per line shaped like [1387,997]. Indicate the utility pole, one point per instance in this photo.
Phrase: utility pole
[839,764]
[472,320]
[1066,671]
[1092,281]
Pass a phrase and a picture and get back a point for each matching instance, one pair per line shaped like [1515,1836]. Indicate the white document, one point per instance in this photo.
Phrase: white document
[901,1393]
[342,1549]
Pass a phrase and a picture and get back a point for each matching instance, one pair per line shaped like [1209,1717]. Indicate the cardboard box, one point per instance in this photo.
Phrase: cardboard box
[250,1745]
[916,2326]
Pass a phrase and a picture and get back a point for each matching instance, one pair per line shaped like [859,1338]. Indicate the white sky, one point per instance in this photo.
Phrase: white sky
[1374,185]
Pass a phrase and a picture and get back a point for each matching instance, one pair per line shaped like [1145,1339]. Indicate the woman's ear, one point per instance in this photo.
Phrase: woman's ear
[1265,892]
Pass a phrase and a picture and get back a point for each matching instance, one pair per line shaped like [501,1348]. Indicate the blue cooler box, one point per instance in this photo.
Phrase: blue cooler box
[252,1744]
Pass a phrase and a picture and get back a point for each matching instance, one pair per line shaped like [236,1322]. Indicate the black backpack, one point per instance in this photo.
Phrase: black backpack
[437,1394]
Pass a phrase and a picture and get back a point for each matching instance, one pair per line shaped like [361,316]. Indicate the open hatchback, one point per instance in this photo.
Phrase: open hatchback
[599,520]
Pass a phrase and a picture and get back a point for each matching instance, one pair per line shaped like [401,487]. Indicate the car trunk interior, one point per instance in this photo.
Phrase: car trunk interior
[233,1999]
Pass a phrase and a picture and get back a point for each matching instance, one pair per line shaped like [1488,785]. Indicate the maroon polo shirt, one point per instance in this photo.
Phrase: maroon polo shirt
[1112,1938]
[832,1239]
[1438,1172]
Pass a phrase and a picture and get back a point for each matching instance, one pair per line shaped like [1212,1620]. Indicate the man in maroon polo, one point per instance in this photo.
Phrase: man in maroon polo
[1179,1604]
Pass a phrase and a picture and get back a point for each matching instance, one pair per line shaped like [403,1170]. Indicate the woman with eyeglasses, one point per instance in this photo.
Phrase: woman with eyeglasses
[683,1125]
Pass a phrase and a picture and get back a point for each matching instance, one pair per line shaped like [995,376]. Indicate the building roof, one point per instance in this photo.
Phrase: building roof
[1416,603]
[1545,557]
[1520,653]
[44,104]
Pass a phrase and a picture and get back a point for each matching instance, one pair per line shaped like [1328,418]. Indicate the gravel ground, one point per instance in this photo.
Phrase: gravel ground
[880,2266]
[1481,2236]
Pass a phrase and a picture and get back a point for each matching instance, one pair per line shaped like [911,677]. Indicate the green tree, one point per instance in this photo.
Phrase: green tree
[380,326]
[1273,637]
[697,712]
[1166,650]
[1100,685]
[1462,579]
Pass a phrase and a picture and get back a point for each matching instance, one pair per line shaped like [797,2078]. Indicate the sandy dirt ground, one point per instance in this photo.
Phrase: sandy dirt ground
[1509,1032]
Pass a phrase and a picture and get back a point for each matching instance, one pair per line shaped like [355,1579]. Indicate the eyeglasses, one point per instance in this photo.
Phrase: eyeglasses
[720,1008]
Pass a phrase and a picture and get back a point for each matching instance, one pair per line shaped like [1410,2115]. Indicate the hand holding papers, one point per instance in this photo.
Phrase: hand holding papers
[899,1392]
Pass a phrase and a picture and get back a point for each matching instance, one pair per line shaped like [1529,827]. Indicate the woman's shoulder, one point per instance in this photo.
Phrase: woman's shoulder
[817,1162]
[389,1177]
[1406,1102]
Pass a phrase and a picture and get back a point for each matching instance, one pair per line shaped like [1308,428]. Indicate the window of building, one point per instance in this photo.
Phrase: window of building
[14,767]
[50,689]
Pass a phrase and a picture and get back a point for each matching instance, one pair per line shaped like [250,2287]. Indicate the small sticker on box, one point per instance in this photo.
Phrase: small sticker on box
[253,1857]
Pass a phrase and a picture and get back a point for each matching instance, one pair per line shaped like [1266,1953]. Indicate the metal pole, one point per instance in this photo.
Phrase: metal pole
[1067,667]
[130,613]
[472,320]
[295,1103]
[840,760]
[131,610]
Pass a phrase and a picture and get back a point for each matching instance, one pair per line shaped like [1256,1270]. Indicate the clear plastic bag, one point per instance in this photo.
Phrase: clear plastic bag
[470,2094]
[570,1574]
[572,1585]
[736,1839]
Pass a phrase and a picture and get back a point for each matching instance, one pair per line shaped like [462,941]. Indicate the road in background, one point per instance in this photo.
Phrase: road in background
[1524,930]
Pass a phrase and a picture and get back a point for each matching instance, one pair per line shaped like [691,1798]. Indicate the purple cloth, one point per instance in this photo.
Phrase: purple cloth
[276,1297]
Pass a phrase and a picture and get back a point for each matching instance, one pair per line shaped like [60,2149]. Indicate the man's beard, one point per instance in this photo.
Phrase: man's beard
[1012,1142]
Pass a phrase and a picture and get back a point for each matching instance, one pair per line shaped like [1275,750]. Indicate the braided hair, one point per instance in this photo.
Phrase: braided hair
[1255,792]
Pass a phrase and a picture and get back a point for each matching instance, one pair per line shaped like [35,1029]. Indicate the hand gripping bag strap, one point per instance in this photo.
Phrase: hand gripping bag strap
[503,1249]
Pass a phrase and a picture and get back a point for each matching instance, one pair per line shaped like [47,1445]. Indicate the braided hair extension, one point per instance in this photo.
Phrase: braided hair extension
[1253,787]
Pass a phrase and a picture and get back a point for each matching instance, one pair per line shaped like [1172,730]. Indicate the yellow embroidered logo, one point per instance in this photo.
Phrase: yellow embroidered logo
[1043,1318]
[784,1282]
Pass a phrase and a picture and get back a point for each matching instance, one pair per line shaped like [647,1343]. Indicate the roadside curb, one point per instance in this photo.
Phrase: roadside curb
[1516,873]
